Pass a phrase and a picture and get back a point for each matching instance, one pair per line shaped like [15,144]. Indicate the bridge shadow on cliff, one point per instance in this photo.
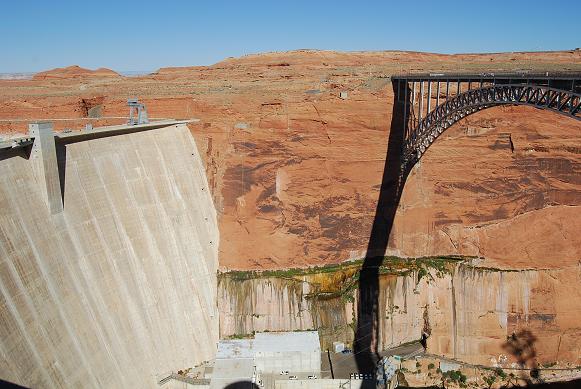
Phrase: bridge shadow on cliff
[392,183]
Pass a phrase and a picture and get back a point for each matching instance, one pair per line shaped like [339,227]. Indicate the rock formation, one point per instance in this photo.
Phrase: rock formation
[294,170]
[468,312]
[71,72]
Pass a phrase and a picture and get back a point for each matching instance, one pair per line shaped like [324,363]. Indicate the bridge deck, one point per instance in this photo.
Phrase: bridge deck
[429,103]
[524,75]
[16,142]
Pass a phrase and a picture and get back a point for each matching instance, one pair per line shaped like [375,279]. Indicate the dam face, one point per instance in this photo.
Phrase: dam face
[120,287]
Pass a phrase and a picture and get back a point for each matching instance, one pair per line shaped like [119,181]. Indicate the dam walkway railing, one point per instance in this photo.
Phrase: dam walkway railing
[42,145]
[185,379]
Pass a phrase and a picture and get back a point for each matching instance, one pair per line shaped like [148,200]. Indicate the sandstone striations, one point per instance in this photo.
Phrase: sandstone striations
[295,170]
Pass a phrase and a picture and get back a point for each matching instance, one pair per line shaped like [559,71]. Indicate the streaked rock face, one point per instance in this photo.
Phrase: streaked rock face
[469,312]
[471,194]
[119,288]
[307,195]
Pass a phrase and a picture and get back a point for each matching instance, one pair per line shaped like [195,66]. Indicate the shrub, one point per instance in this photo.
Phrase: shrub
[499,372]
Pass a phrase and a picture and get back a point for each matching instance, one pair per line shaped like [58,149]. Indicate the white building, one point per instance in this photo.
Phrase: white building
[262,360]
[234,363]
[288,351]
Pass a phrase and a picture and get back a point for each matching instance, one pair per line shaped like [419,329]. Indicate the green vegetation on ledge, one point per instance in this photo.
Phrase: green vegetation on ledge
[341,280]
[391,265]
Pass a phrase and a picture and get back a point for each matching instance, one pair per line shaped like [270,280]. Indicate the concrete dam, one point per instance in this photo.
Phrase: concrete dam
[118,288]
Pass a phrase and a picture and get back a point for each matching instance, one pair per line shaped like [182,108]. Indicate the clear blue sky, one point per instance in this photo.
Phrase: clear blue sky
[145,35]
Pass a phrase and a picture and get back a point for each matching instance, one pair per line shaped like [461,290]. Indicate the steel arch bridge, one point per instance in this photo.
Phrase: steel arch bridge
[455,96]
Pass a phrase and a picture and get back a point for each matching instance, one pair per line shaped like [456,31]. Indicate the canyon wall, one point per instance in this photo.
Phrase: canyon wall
[295,170]
[277,304]
[469,312]
[472,194]
[120,287]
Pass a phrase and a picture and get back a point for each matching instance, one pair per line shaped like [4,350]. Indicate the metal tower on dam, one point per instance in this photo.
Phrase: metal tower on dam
[433,102]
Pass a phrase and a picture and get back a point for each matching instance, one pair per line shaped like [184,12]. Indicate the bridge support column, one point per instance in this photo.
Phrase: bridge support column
[421,107]
[571,101]
[44,160]
[405,109]
[429,97]
[399,82]
[413,105]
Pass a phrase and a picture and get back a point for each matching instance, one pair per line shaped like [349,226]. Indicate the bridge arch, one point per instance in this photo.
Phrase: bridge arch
[421,127]
[413,129]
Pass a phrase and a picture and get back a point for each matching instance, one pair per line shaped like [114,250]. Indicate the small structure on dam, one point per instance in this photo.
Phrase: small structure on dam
[136,106]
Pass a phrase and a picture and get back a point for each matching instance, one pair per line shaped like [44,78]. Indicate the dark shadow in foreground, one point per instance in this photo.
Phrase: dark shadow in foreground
[393,180]
[10,385]
[521,345]
[574,384]
[242,385]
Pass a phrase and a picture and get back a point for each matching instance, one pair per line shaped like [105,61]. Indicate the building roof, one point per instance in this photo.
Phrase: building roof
[304,341]
[236,349]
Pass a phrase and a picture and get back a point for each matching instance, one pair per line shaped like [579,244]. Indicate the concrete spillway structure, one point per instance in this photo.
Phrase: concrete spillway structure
[119,287]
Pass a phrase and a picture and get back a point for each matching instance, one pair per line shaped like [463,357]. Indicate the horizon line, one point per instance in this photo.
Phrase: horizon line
[23,72]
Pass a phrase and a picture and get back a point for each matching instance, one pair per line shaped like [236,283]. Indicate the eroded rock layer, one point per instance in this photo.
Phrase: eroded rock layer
[469,313]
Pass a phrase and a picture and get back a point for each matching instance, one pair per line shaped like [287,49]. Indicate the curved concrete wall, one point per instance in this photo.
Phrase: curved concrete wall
[121,286]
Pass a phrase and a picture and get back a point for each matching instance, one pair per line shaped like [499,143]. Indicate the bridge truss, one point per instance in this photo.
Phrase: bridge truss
[433,102]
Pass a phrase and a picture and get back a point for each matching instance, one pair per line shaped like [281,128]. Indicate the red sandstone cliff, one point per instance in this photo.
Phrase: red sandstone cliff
[295,170]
